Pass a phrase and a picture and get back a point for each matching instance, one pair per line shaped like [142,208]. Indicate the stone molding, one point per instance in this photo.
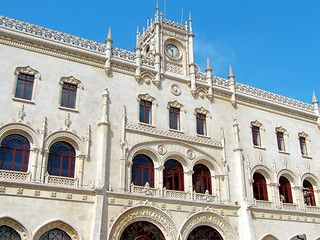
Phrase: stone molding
[211,219]
[71,80]
[16,226]
[28,70]
[53,137]
[144,213]
[60,225]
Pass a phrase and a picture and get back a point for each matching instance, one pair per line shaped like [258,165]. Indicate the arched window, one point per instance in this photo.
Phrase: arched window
[142,231]
[8,233]
[55,234]
[259,187]
[201,179]
[205,233]
[14,153]
[308,193]
[285,190]
[61,159]
[142,170]
[173,175]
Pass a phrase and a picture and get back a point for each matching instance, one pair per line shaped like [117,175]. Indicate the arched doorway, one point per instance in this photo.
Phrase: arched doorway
[204,233]
[142,230]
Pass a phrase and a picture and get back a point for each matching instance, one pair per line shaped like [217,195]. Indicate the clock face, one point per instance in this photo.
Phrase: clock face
[172,51]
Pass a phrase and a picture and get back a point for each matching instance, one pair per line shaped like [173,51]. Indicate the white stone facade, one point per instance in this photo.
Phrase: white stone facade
[102,197]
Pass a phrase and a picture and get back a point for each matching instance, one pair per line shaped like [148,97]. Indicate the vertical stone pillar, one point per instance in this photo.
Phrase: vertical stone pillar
[160,176]
[35,156]
[189,183]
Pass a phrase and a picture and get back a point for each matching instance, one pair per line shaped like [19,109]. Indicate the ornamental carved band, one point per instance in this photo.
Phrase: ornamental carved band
[210,219]
[144,213]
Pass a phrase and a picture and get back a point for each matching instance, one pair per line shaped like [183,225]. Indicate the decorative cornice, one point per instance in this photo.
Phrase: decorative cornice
[172,135]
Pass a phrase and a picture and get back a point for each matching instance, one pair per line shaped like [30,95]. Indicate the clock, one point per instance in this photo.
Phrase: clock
[172,51]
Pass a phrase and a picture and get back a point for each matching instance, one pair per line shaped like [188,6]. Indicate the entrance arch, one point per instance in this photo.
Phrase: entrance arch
[208,219]
[142,230]
[153,216]
[205,233]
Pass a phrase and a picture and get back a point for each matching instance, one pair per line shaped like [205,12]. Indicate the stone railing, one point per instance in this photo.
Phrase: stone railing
[61,181]
[289,206]
[312,209]
[146,60]
[146,190]
[7,175]
[221,82]
[263,204]
[273,97]
[50,34]
[176,194]
[173,24]
[125,54]
[200,76]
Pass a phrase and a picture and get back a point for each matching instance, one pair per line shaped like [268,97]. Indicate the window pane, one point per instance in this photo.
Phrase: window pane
[19,90]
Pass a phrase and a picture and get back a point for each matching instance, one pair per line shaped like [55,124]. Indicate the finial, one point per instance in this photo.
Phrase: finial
[230,72]
[190,16]
[109,36]
[208,64]
[138,30]
[314,99]
[157,7]
[190,22]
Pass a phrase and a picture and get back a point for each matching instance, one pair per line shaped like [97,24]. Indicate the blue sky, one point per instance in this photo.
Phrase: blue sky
[273,45]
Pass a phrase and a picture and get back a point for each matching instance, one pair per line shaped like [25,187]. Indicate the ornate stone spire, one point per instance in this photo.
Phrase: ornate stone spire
[109,36]
[208,65]
[314,99]
[190,23]
[232,87]
[231,73]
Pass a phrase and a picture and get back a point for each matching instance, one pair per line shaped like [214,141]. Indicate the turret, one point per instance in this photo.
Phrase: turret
[138,56]
[209,79]
[232,87]
[316,107]
[191,58]
[108,52]
[157,47]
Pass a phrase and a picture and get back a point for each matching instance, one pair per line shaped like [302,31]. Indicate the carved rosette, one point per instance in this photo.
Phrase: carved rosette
[144,213]
[210,219]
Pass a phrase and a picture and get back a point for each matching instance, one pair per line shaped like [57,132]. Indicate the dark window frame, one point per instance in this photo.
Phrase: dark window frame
[60,153]
[308,194]
[201,174]
[24,88]
[201,124]
[174,118]
[303,146]
[141,165]
[256,136]
[173,175]
[69,95]
[19,147]
[259,186]
[285,190]
[280,141]
[145,115]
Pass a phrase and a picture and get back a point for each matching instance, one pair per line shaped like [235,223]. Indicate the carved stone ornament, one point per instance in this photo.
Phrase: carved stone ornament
[16,226]
[27,70]
[203,111]
[65,135]
[67,121]
[281,129]
[303,134]
[144,213]
[175,104]
[210,219]
[175,90]
[190,154]
[147,77]
[256,123]
[162,149]
[147,97]
[21,114]
[71,80]
[60,225]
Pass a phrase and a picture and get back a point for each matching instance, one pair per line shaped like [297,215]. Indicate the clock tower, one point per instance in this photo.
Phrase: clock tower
[166,50]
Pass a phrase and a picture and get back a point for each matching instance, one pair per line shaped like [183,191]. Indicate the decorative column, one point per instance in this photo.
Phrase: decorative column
[209,79]
[43,152]
[275,194]
[103,136]
[124,149]
[189,182]
[138,56]
[298,192]
[157,48]
[80,159]
[108,41]
[192,69]
[316,107]
[35,155]
[225,164]
[246,229]
[232,87]
[129,172]
[160,176]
